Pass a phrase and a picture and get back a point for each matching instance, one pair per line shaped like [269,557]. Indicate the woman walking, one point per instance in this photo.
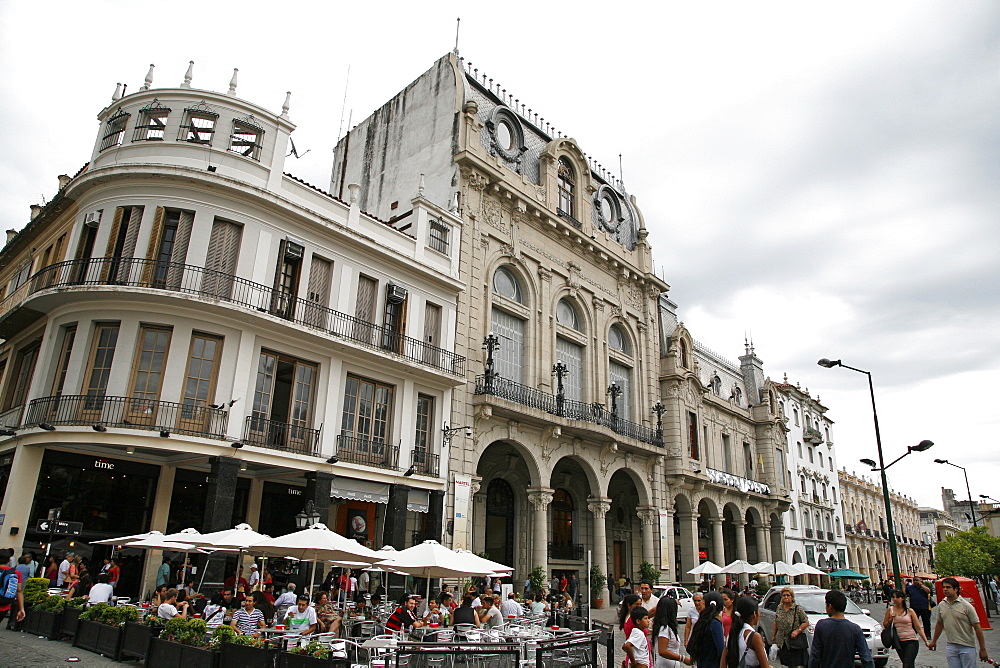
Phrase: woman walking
[668,643]
[745,646]
[728,605]
[692,616]
[907,627]
[790,621]
[707,643]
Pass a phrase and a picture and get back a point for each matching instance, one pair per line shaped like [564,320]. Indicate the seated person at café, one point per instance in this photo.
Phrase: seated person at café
[215,612]
[102,591]
[301,618]
[248,619]
[433,614]
[288,598]
[404,618]
[510,607]
[489,614]
[169,608]
[465,613]
[159,595]
[326,615]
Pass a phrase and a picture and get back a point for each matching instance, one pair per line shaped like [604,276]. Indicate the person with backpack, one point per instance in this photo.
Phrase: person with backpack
[745,646]
[11,589]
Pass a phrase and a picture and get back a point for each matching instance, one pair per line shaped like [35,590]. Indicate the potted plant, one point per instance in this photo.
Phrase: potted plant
[597,582]
[182,644]
[241,650]
[648,573]
[102,627]
[135,642]
[311,655]
[537,579]
[44,618]
[35,589]
[71,615]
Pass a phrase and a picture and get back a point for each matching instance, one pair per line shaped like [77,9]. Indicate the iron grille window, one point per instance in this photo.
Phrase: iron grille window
[114,130]
[199,124]
[246,138]
[439,236]
[151,123]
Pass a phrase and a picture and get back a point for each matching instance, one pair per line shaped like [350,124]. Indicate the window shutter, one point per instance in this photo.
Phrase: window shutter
[364,310]
[179,252]
[223,251]
[319,291]
[132,233]
[154,243]
[112,240]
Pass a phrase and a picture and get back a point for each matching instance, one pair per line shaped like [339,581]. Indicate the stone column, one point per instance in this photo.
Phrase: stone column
[540,498]
[689,545]
[600,506]
[394,527]
[318,486]
[650,518]
[21,485]
[718,550]
[158,522]
[763,542]
[667,560]
[219,504]
[435,516]
[741,548]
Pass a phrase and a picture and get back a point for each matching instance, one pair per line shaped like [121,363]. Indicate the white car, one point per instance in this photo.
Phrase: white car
[813,601]
[685,602]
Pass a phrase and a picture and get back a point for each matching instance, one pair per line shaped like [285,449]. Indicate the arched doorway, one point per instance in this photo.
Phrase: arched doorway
[623,525]
[500,521]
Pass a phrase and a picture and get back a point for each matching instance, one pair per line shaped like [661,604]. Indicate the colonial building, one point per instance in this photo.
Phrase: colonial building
[814,527]
[936,525]
[961,510]
[867,532]
[194,337]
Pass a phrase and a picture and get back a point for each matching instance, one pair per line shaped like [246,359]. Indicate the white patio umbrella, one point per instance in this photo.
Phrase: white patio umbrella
[739,567]
[781,568]
[805,569]
[121,540]
[706,568]
[498,568]
[763,567]
[317,543]
[431,559]
[159,542]
[238,538]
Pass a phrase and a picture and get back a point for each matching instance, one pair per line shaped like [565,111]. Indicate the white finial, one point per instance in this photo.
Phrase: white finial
[118,93]
[354,189]
[149,78]
[188,75]
[232,82]
[286,105]
[420,187]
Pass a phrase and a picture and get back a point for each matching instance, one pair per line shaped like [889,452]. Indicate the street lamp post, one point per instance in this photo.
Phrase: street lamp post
[560,369]
[972,508]
[829,364]
[615,391]
[659,409]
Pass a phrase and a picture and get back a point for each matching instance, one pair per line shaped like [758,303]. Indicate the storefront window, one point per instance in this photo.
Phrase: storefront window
[190,496]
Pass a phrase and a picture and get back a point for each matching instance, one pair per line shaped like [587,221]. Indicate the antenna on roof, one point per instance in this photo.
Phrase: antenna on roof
[294,151]
[343,106]
[458,24]
[621,172]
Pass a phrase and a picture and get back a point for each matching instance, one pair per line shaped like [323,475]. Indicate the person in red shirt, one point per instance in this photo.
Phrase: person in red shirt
[269,592]
[114,573]
[238,583]
[404,619]
[5,609]
[563,583]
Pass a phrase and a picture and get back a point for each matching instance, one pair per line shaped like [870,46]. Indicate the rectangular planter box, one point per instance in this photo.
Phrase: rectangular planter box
[99,638]
[43,623]
[135,642]
[246,657]
[289,660]
[166,654]
[70,619]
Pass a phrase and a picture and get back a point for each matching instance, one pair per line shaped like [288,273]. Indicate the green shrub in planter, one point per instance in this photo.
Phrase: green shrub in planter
[316,650]
[35,589]
[189,632]
[223,634]
[51,603]
[79,602]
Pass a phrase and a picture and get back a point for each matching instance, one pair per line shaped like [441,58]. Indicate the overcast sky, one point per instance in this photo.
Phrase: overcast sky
[822,175]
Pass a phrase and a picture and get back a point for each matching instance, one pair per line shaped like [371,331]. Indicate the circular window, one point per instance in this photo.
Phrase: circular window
[617,340]
[607,209]
[505,136]
[566,315]
[506,285]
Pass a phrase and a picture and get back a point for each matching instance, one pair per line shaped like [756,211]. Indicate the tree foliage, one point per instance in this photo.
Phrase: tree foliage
[968,553]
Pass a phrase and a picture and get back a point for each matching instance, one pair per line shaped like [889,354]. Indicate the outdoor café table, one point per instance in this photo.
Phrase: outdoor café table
[379,643]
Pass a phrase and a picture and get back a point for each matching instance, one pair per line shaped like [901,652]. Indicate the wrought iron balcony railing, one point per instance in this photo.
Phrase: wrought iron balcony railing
[217,286]
[277,435]
[565,215]
[128,413]
[369,451]
[566,551]
[425,462]
[574,410]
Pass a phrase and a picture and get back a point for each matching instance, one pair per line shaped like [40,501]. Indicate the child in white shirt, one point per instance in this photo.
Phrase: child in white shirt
[637,645]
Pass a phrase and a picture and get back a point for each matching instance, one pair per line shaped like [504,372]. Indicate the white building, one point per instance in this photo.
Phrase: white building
[193,337]
[814,526]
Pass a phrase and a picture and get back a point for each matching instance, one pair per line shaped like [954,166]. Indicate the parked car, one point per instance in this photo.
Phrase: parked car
[813,601]
[685,602]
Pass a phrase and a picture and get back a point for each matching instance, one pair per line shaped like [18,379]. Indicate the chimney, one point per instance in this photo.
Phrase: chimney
[35,210]
[63,181]
[13,233]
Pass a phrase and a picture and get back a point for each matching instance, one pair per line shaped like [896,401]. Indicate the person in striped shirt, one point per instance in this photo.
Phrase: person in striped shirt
[248,619]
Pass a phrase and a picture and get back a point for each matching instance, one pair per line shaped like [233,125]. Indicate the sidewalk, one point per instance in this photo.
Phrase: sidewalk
[21,649]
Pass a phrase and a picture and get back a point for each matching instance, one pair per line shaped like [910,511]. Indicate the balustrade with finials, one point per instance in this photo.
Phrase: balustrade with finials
[574,410]
[218,286]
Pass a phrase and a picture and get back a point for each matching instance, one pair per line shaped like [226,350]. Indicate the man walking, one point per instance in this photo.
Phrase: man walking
[837,640]
[959,620]
[646,598]
[920,601]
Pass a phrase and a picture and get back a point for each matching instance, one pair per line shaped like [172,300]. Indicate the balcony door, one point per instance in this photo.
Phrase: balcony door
[282,402]
[121,244]
[220,263]
[147,375]
[286,279]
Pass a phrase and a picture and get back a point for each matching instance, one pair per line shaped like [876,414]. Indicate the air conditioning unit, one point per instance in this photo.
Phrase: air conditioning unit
[92,219]
[395,294]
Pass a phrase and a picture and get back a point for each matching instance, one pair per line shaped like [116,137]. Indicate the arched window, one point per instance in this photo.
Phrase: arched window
[566,315]
[795,414]
[792,518]
[506,285]
[821,460]
[837,522]
[500,521]
[567,187]
[572,356]
[618,341]
[562,524]
[684,354]
[802,483]
[806,520]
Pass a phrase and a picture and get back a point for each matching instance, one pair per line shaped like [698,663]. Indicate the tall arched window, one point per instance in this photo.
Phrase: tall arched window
[508,328]
[562,524]
[684,354]
[500,521]
[569,351]
[792,519]
[567,187]
[620,373]
[618,341]
[506,285]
